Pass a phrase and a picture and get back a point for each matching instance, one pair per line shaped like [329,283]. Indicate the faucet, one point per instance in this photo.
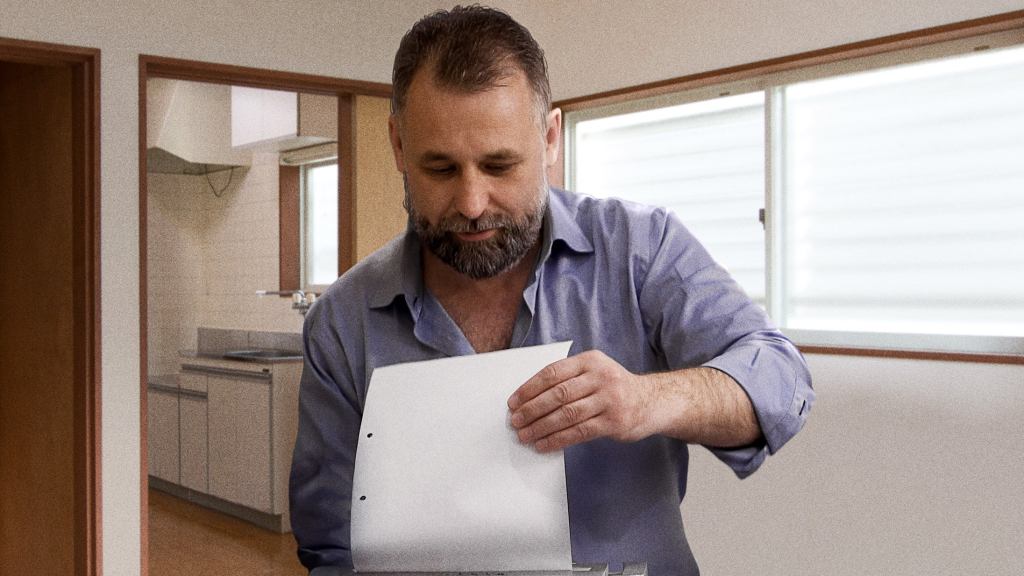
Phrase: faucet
[301,300]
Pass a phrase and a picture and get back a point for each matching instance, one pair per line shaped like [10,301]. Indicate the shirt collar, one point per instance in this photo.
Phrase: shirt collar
[403,276]
[406,279]
[561,225]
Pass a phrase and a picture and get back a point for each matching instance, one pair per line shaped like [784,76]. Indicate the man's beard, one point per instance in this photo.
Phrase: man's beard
[513,238]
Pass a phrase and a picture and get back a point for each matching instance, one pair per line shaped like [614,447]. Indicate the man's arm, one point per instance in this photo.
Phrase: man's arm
[320,485]
[590,396]
[732,382]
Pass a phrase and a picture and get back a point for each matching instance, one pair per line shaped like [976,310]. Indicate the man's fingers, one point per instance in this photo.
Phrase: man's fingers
[564,417]
[549,376]
[552,399]
[582,432]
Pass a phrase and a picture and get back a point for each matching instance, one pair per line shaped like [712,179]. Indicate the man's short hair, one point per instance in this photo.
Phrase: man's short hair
[471,49]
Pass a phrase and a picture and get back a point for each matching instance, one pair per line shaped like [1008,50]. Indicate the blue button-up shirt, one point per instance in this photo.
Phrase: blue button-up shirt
[625,279]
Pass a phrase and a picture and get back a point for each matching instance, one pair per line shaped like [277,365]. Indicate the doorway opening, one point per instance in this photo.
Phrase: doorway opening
[219,177]
[49,308]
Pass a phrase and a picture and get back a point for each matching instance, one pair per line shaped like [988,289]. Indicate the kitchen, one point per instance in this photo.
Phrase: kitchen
[242,234]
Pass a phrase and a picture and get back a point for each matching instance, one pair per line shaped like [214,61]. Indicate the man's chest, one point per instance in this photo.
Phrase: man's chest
[488,324]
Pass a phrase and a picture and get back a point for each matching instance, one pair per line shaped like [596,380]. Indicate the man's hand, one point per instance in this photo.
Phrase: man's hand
[590,396]
[580,398]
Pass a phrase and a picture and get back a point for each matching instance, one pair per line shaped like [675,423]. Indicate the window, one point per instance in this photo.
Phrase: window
[702,160]
[319,233]
[893,195]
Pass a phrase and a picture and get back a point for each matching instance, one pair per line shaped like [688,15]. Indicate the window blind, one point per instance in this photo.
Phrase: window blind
[704,161]
[903,191]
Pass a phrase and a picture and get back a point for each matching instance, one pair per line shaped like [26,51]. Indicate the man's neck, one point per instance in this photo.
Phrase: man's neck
[485,310]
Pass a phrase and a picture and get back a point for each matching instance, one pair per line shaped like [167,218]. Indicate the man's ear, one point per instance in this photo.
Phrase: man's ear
[553,136]
[396,142]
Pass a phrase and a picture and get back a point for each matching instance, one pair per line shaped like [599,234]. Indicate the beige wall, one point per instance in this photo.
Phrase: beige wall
[378,185]
[209,254]
[174,227]
[592,46]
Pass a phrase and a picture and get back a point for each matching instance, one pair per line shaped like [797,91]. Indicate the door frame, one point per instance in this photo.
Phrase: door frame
[198,71]
[84,64]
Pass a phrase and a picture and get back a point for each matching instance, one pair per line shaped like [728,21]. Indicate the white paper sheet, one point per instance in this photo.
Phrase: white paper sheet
[441,482]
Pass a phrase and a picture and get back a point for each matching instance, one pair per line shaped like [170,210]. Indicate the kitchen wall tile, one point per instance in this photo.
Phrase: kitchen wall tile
[277,340]
[220,340]
[208,256]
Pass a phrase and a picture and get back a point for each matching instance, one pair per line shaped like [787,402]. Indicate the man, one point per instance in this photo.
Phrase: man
[667,350]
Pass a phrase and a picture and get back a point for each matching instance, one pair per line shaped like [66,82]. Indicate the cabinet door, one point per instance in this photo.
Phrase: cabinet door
[258,115]
[162,434]
[193,442]
[190,380]
[239,429]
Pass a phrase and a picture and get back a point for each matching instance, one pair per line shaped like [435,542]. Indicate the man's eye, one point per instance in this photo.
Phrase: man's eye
[441,170]
[498,168]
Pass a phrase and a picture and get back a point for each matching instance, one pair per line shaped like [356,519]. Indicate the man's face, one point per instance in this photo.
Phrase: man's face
[475,171]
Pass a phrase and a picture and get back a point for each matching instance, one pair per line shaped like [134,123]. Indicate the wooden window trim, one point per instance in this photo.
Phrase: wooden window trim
[915,355]
[290,207]
[289,227]
[904,41]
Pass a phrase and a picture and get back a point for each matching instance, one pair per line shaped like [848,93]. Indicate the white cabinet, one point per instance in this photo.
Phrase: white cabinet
[240,441]
[237,428]
[276,120]
[162,432]
[192,419]
[176,431]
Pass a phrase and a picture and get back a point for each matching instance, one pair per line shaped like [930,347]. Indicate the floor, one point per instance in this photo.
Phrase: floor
[188,539]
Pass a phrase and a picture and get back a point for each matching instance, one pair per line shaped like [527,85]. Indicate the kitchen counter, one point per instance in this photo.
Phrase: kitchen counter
[197,355]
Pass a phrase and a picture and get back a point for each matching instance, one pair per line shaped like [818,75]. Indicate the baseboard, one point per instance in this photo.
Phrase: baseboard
[273,522]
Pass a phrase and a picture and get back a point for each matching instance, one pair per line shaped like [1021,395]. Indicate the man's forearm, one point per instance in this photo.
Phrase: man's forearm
[700,406]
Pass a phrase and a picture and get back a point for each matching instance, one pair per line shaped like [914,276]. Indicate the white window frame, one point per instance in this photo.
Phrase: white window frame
[712,85]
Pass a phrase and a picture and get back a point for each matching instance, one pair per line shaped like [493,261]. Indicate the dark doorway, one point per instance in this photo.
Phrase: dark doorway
[49,309]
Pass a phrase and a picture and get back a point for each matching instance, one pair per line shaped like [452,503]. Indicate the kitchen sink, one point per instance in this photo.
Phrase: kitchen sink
[263,354]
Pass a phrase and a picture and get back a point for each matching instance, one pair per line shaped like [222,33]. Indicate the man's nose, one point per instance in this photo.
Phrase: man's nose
[472,195]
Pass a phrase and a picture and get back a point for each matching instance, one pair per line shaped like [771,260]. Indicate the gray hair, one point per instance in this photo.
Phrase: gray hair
[471,49]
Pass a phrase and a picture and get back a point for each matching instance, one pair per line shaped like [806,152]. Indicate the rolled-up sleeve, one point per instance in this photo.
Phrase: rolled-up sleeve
[698,315]
[322,463]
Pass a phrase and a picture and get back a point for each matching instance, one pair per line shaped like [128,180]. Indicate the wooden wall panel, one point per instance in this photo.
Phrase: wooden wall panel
[37,395]
[378,184]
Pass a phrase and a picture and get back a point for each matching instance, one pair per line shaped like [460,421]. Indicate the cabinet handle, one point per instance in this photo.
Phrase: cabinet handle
[162,388]
[192,394]
[228,372]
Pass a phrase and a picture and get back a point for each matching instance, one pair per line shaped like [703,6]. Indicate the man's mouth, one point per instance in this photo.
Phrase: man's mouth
[476,236]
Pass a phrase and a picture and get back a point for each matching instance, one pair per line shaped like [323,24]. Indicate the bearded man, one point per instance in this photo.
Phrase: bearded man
[667,349]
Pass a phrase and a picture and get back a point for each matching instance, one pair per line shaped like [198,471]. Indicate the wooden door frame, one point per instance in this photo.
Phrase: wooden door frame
[84,64]
[197,71]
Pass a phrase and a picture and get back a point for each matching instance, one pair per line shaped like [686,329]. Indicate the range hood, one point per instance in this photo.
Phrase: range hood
[188,128]
[160,161]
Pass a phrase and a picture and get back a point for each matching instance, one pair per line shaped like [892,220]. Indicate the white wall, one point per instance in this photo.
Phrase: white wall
[904,467]
[592,46]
